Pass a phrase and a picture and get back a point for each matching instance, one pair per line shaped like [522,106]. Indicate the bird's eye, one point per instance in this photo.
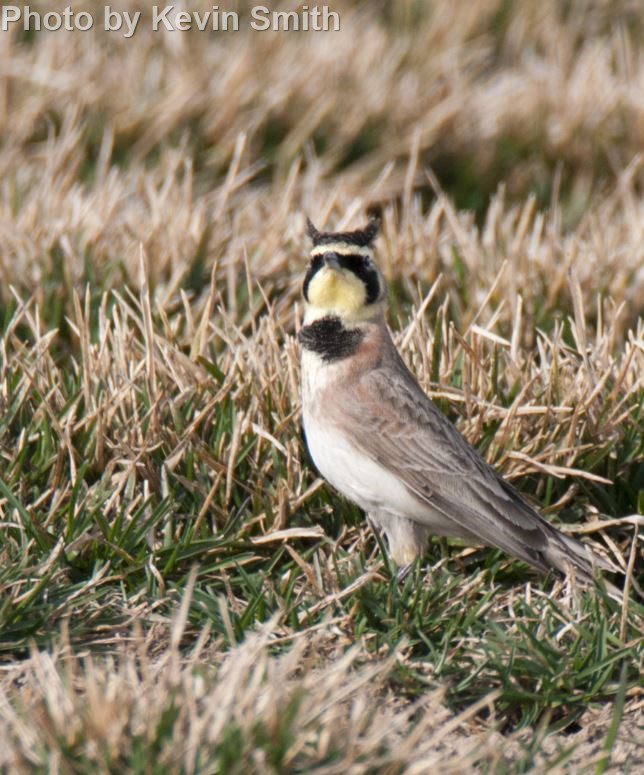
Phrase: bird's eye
[314,267]
[316,264]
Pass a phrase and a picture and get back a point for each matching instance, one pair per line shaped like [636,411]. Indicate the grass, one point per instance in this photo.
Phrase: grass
[179,591]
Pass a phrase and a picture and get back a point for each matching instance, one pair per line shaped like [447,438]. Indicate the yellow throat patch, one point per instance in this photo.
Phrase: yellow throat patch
[338,291]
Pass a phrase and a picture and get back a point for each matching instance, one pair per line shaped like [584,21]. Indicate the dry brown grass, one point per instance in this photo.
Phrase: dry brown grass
[152,202]
[331,717]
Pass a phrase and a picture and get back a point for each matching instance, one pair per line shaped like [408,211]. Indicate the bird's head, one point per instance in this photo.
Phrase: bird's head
[342,278]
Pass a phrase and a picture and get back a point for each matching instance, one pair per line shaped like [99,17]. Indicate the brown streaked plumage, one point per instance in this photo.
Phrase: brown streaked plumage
[377,437]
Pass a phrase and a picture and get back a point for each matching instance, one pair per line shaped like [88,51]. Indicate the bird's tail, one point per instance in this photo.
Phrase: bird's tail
[571,557]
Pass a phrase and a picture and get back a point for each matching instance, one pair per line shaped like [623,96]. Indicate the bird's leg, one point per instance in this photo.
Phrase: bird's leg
[403,572]
[406,541]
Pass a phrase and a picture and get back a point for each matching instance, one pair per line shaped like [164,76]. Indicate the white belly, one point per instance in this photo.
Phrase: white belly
[359,478]
[356,476]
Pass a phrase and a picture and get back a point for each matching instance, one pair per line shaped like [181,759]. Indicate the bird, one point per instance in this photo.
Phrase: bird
[378,439]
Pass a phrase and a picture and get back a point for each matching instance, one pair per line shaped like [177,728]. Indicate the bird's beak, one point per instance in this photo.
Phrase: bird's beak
[331,260]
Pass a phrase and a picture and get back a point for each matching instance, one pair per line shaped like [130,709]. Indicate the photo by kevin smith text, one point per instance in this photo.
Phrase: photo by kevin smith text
[171,18]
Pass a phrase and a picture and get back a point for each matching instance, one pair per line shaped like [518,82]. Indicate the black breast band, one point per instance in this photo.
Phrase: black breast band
[329,338]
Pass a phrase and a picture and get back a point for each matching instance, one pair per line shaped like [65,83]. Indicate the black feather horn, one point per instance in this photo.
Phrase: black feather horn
[360,237]
[371,230]
[313,233]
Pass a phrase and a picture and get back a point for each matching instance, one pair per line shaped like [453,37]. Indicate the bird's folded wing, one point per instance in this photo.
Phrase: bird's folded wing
[399,427]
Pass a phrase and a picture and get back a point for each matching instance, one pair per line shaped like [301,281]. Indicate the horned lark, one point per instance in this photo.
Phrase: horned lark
[378,439]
